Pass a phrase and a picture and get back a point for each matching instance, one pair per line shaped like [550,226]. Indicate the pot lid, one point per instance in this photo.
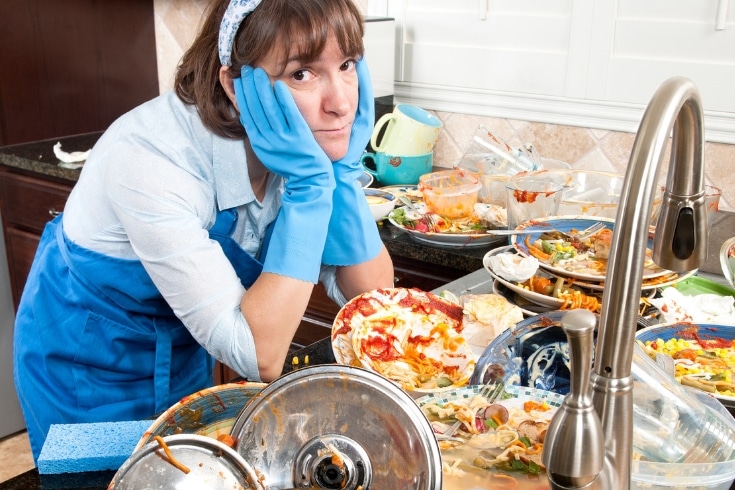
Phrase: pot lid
[338,427]
[192,461]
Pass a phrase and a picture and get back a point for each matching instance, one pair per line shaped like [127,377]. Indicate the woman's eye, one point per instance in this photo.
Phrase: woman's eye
[348,65]
[301,75]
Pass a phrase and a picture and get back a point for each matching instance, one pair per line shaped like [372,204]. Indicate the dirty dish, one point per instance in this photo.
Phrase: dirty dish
[591,266]
[450,193]
[208,412]
[529,199]
[527,307]
[470,232]
[468,464]
[411,192]
[380,203]
[716,339]
[186,461]
[535,354]
[409,336]
[579,294]
[365,179]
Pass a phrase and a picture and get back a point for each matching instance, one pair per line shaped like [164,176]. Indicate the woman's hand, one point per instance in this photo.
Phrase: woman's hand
[353,236]
[277,131]
[284,143]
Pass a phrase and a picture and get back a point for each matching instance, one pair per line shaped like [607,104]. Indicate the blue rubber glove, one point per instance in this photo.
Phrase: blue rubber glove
[353,234]
[284,143]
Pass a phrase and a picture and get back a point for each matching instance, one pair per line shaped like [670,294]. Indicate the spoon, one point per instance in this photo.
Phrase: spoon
[727,260]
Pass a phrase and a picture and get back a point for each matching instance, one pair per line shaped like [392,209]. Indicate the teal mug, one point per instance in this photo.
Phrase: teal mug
[395,169]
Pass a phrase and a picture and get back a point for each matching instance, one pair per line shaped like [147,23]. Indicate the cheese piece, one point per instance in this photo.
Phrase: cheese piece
[486,317]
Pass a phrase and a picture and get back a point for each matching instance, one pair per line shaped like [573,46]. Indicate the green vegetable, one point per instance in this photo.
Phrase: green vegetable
[399,216]
[443,382]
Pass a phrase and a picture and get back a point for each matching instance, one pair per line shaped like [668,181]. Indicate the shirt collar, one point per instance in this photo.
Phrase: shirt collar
[231,181]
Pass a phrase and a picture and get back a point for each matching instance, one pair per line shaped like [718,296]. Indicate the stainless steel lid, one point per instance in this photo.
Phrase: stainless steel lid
[211,465]
[338,427]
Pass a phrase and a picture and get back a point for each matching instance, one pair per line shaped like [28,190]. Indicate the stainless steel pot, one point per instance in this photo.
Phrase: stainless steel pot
[338,427]
[208,464]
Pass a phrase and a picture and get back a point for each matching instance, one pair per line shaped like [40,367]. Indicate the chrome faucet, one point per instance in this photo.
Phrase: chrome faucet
[589,443]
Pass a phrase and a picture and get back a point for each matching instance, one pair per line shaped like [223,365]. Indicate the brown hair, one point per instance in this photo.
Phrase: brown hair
[274,24]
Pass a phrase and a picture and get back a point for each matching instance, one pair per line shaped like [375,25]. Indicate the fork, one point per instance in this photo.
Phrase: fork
[491,392]
[426,218]
[581,235]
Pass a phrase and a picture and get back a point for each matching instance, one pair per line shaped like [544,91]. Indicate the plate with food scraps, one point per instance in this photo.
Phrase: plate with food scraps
[582,259]
[409,336]
[528,308]
[493,455]
[410,192]
[704,355]
[546,289]
[651,284]
[209,412]
[466,232]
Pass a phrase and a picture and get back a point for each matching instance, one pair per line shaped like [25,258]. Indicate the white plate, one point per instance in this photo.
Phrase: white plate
[409,191]
[476,478]
[527,307]
[512,392]
[537,298]
[568,223]
[470,239]
[365,179]
[372,316]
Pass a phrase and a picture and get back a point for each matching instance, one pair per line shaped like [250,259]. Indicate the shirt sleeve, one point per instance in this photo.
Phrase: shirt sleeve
[328,278]
[165,210]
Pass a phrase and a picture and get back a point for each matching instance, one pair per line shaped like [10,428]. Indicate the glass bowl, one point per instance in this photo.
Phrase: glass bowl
[450,193]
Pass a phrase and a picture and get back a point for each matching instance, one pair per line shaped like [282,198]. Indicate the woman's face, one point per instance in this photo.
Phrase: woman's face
[326,93]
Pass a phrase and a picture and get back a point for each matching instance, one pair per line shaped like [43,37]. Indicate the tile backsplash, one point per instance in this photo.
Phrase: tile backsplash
[177,22]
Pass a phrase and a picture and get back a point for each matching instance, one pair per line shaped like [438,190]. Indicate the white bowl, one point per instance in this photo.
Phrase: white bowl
[381,203]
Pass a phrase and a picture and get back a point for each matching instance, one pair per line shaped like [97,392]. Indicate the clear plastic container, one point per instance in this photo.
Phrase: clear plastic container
[450,193]
[671,424]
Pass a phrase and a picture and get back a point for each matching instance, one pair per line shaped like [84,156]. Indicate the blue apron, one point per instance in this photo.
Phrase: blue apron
[95,340]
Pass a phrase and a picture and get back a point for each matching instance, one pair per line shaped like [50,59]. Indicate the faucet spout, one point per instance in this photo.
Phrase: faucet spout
[679,245]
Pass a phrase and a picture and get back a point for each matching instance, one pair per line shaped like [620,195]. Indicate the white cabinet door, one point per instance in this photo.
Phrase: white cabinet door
[592,63]
[514,46]
[653,40]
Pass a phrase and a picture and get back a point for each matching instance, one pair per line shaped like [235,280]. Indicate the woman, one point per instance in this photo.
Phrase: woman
[202,220]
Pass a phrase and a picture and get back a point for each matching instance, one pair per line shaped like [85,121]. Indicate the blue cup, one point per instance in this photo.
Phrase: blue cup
[395,169]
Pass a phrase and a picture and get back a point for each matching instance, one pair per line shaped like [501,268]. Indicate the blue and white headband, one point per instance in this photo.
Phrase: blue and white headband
[236,12]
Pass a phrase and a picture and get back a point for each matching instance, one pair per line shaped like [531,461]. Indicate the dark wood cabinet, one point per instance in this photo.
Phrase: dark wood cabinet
[27,204]
[73,66]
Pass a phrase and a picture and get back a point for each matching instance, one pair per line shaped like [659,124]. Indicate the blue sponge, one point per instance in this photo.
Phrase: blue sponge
[74,448]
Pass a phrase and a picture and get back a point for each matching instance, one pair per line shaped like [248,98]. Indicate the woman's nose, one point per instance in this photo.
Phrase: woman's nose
[337,97]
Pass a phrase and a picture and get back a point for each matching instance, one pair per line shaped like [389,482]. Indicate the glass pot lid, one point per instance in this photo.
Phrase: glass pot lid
[338,427]
[185,461]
